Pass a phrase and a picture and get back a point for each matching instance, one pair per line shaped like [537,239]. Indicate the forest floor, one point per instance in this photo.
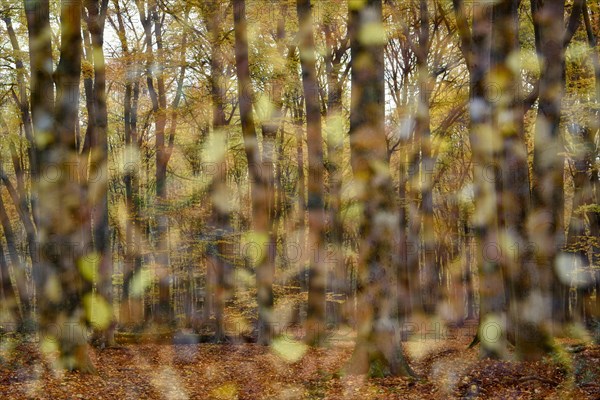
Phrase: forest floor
[288,370]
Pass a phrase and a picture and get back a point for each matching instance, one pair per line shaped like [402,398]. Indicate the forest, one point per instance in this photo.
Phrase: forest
[299,199]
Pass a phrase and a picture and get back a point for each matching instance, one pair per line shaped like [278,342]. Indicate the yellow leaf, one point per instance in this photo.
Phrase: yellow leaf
[372,33]
[88,265]
[228,391]
[335,130]
[216,148]
[49,344]
[140,281]
[52,289]
[97,310]
[264,107]
[254,246]
[289,349]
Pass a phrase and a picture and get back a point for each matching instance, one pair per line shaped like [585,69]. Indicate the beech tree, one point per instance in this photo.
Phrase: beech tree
[316,217]
[378,349]
[66,265]
[260,185]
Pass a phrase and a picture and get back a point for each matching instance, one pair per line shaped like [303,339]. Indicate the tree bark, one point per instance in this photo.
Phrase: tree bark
[98,175]
[65,258]
[17,298]
[430,288]
[220,215]
[315,324]
[131,178]
[378,348]
[548,166]
[335,135]
[259,182]
[150,19]
[475,46]
[301,224]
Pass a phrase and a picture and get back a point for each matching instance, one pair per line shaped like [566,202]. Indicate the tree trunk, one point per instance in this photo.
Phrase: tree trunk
[164,312]
[259,183]
[301,224]
[64,257]
[475,47]
[134,231]
[17,298]
[317,277]
[582,156]
[511,175]
[378,348]
[41,98]
[98,176]
[335,147]
[150,19]
[41,85]
[220,215]
[430,288]
[548,169]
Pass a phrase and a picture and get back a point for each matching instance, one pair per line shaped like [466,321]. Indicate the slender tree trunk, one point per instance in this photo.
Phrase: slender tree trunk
[301,224]
[42,97]
[518,268]
[316,214]
[8,294]
[335,146]
[135,224]
[41,85]
[413,248]
[378,348]
[150,19]
[475,47]
[548,169]
[220,214]
[98,172]
[468,271]
[134,230]
[430,289]
[582,155]
[409,299]
[165,312]
[20,298]
[259,184]
[404,277]
[17,298]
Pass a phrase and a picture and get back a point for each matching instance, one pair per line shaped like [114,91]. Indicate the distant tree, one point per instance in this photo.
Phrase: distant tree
[335,59]
[20,194]
[131,176]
